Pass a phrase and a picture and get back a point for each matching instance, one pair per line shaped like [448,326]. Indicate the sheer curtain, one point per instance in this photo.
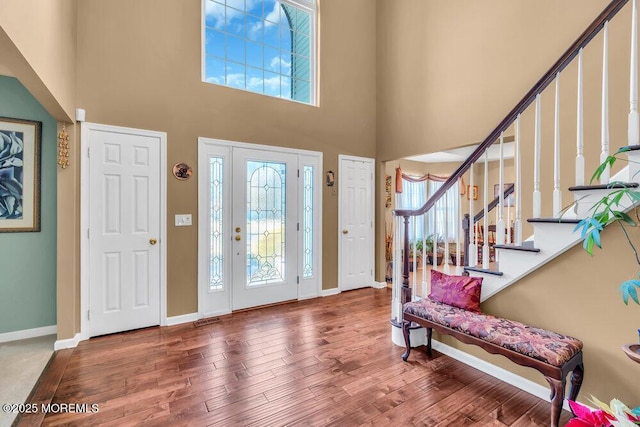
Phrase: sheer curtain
[440,214]
[413,196]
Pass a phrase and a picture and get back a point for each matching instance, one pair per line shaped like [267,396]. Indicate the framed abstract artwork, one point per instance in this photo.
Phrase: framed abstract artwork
[20,142]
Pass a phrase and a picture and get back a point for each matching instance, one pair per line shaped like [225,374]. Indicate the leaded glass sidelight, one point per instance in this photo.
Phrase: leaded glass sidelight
[307,222]
[216,165]
[266,222]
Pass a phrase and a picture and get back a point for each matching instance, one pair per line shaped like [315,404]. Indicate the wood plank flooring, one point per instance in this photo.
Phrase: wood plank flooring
[322,362]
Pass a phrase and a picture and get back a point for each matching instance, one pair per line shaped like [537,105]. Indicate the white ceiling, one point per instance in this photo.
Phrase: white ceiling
[458,155]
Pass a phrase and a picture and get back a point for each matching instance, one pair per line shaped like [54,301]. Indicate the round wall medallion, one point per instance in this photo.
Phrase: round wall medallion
[182,171]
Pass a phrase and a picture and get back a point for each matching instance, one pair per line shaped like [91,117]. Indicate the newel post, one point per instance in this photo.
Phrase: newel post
[406,290]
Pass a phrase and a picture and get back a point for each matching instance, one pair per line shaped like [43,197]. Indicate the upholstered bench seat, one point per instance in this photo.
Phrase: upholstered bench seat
[552,354]
[549,347]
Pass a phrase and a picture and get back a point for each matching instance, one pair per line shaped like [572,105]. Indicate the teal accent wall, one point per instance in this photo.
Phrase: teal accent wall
[28,260]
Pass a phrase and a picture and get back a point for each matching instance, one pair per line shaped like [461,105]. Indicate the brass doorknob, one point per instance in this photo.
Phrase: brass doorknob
[345,231]
[238,238]
[153,241]
[237,229]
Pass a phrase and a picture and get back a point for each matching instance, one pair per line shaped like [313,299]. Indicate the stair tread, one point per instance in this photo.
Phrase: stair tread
[523,248]
[484,270]
[605,186]
[555,220]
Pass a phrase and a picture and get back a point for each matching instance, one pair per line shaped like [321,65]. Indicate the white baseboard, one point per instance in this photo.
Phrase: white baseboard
[329,292]
[28,333]
[185,318]
[68,343]
[523,384]
[379,285]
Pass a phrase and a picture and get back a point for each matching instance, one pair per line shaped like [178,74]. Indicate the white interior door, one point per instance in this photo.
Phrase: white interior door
[124,229]
[356,238]
[265,244]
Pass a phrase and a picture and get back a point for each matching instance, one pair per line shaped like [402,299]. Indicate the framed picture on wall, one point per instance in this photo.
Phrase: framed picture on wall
[20,142]
[472,192]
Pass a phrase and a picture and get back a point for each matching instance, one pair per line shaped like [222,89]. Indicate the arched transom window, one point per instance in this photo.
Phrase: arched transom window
[262,46]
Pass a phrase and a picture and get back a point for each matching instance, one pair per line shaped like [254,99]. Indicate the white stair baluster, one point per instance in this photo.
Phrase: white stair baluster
[633,131]
[557,194]
[604,178]
[536,160]
[580,127]
[517,223]
[473,249]
[458,222]
[423,254]
[412,244]
[500,221]
[485,204]
[445,215]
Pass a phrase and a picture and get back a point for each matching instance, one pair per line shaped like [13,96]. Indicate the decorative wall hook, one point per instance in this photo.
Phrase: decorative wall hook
[63,147]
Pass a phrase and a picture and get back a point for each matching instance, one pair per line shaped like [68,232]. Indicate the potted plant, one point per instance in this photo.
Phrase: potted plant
[436,242]
[611,209]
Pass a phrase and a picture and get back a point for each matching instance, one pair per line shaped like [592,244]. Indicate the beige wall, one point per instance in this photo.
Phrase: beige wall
[475,62]
[448,72]
[42,51]
[576,295]
[38,45]
[139,66]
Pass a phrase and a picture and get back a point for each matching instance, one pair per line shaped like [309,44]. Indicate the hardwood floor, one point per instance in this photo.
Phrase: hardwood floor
[327,361]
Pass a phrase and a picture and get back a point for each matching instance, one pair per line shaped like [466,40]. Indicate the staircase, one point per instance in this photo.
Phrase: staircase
[552,234]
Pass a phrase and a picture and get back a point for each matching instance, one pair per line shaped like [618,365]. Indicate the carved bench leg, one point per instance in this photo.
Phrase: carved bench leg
[407,343]
[557,399]
[429,333]
[576,381]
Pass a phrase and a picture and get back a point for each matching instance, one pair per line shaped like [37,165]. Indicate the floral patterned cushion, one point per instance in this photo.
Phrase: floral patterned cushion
[458,291]
[550,347]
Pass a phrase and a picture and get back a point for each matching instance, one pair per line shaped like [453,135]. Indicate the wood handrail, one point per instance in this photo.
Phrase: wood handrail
[494,203]
[592,30]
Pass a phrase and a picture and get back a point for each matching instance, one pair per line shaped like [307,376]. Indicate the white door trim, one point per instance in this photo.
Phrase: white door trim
[85,174]
[342,157]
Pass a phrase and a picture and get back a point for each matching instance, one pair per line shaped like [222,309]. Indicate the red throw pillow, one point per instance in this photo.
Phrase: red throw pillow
[458,291]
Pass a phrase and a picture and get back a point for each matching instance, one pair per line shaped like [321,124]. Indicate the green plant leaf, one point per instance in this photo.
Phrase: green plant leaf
[609,161]
[623,216]
[628,289]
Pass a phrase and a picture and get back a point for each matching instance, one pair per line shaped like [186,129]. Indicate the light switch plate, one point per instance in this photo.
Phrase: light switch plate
[183,220]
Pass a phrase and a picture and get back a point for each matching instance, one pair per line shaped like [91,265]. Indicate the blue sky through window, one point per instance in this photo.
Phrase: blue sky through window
[263,46]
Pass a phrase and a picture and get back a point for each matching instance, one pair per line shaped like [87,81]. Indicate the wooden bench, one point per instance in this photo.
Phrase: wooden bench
[552,354]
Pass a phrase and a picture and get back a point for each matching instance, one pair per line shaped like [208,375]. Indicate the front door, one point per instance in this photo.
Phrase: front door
[124,229]
[259,238]
[265,250]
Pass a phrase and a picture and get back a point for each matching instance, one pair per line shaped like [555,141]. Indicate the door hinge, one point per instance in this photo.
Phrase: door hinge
[88,152]
[88,233]
[298,227]
[297,279]
[298,173]
[88,314]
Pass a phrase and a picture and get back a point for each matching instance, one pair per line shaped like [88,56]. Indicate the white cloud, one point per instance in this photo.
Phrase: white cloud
[235,80]
[278,61]
[215,12]
[219,80]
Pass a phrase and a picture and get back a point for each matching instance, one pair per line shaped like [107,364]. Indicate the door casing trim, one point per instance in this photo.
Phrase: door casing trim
[85,174]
